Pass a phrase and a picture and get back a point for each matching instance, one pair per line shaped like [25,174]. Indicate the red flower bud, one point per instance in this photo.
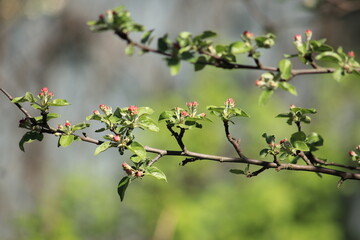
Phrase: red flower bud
[308,33]
[248,34]
[282,141]
[139,174]
[133,110]
[351,54]
[116,138]
[101,17]
[51,94]
[45,90]
[67,124]
[297,38]
[102,106]
[352,154]
[96,112]
[259,83]
[184,113]
[195,103]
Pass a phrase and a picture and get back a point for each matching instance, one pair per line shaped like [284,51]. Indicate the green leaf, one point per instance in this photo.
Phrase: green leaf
[129,50]
[264,152]
[58,102]
[163,43]
[237,171]
[136,159]
[338,74]
[240,47]
[80,126]
[284,115]
[145,110]
[138,149]
[239,112]
[147,123]
[199,64]
[166,115]
[102,147]
[302,146]
[146,36]
[66,140]
[122,186]
[285,67]
[329,56]
[265,96]
[174,64]
[156,173]
[288,87]
[298,141]
[29,137]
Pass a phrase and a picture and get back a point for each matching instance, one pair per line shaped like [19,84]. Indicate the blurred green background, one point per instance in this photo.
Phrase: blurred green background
[67,193]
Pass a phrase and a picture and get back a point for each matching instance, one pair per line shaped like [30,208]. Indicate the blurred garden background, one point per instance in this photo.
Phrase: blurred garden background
[68,193]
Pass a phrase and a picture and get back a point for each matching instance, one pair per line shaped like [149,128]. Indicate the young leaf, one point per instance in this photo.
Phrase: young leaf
[29,137]
[80,126]
[66,140]
[138,149]
[285,69]
[239,47]
[147,123]
[155,172]
[129,50]
[265,96]
[174,64]
[288,87]
[122,186]
[146,36]
[58,102]
[102,147]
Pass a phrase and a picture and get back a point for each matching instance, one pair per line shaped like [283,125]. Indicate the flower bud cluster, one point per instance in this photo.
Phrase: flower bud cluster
[132,172]
[267,81]
[45,95]
[230,103]
[105,109]
[133,110]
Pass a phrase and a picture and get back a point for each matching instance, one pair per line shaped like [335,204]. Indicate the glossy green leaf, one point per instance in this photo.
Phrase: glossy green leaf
[58,102]
[288,87]
[156,173]
[285,67]
[147,123]
[122,186]
[329,56]
[102,147]
[138,149]
[302,146]
[66,140]
[240,47]
[199,64]
[80,126]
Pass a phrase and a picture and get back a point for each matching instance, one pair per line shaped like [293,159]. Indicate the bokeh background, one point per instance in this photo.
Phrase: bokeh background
[67,193]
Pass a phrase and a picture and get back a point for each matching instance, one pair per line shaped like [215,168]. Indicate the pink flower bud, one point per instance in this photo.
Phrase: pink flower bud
[67,124]
[292,106]
[297,38]
[139,174]
[45,90]
[116,138]
[60,127]
[101,17]
[102,106]
[248,34]
[352,154]
[357,147]
[203,114]
[282,141]
[133,110]
[308,33]
[189,104]
[41,94]
[51,94]
[96,112]
[127,168]
[195,104]
[351,54]
[230,102]
[184,113]
[259,83]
